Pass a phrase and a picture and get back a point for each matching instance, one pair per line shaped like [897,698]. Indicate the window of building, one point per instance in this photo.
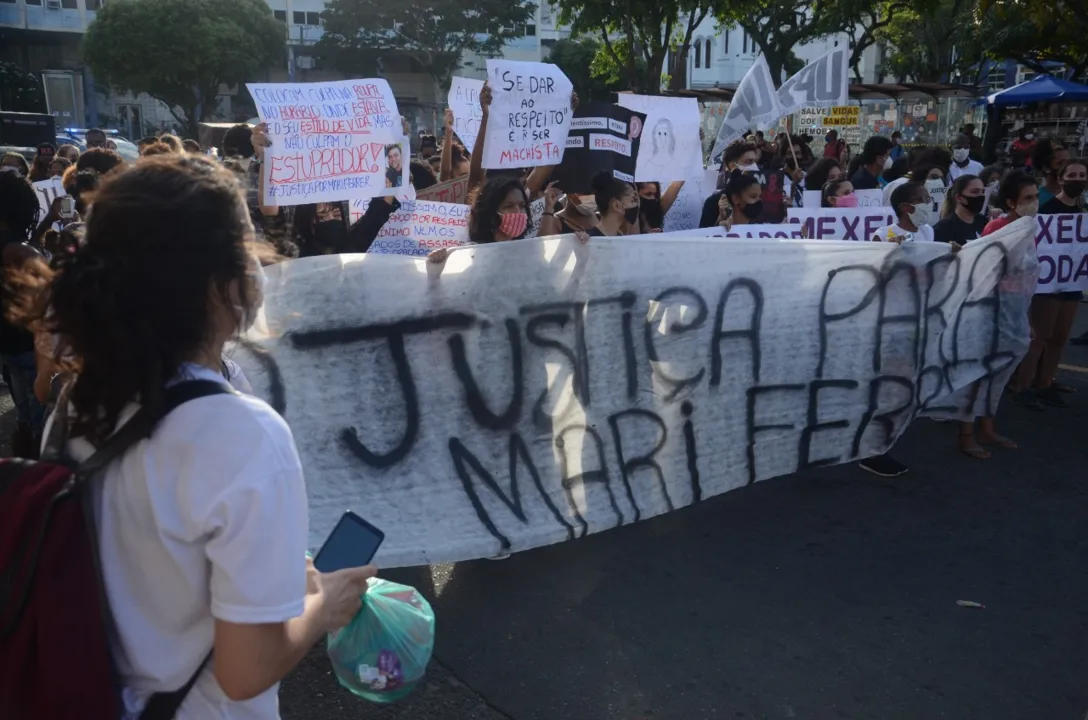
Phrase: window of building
[8,1]
[313,18]
[298,17]
[280,15]
[725,47]
[33,2]
[744,42]
[69,4]
[707,55]
[698,48]
[530,30]
[94,4]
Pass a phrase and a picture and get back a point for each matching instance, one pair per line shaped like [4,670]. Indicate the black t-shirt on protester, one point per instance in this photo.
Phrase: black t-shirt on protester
[865,180]
[954,230]
[1054,206]
[709,216]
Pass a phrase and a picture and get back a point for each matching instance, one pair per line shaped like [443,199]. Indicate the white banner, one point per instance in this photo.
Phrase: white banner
[536,391]
[811,199]
[464,101]
[824,82]
[754,101]
[670,148]
[758,231]
[1062,245]
[47,191]
[530,114]
[419,227]
[836,224]
[331,141]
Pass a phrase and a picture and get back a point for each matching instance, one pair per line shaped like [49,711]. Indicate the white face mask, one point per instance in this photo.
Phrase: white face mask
[753,168]
[960,154]
[888,163]
[1028,209]
[922,215]
[1029,136]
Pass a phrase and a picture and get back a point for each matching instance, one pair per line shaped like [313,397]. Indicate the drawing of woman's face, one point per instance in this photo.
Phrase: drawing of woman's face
[662,137]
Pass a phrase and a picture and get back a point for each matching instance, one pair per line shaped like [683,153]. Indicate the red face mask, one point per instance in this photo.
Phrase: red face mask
[513,224]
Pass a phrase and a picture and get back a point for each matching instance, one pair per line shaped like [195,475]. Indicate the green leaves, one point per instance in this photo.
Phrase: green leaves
[181,51]
[433,33]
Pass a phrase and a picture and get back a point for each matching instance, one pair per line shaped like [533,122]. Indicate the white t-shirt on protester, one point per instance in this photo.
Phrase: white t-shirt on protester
[923,234]
[205,520]
[973,167]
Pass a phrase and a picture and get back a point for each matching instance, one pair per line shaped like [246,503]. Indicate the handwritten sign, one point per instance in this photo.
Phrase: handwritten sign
[451,191]
[687,209]
[419,227]
[1061,242]
[48,191]
[765,231]
[603,138]
[330,141]
[845,224]
[530,114]
[866,198]
[539,391]
[536,214]
[670,148]
[464,101]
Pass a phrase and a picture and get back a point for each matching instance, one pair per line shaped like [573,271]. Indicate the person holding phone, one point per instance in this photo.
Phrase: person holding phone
[202,528]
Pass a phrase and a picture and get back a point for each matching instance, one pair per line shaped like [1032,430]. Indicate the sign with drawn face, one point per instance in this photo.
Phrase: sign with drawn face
[671,148]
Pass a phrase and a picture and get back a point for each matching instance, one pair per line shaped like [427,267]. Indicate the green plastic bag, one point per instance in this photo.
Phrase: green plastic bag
[383,653]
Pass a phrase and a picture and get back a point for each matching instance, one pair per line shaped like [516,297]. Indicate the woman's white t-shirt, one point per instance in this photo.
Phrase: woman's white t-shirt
[205,520]
[923,234]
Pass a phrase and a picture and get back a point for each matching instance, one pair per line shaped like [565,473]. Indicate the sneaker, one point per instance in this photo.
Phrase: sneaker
[1028,399]
[1051,397]
[884,466]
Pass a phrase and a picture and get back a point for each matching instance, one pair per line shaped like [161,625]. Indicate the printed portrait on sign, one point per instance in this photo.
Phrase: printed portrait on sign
[394,161]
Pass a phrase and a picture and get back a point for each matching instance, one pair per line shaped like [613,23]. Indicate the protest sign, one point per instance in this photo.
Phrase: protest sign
[824,82]
[330,141]
[842,116]
[754,101]
[688,206]
[464,101]
[866,198]
[1061,242]
[760,231]
[418,227]
[603,138]
[531,392]
[529,117]
[451,191]
[773,197]
[671,149]
[47,191]
[836,224]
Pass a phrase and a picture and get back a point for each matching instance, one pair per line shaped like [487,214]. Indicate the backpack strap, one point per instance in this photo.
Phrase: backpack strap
[162,705]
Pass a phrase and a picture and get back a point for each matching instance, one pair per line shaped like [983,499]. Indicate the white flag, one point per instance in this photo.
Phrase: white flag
[824,82]
[755,101]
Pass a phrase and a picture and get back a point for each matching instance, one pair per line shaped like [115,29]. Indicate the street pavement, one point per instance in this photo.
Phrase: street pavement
[829,595]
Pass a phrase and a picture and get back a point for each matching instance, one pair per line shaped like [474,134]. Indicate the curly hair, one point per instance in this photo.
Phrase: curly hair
[238,140]
[99,159]
[164,251]
[483,219]
[19,208]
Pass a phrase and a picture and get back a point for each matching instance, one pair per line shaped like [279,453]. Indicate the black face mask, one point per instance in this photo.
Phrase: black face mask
[631,214]
[974,204]
[1074,188]
[651,210]
[329,235]
[753,210]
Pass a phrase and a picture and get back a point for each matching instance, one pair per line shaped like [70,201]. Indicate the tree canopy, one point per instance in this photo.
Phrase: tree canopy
[359,34]
[20,91]
[934,41]
[580,60]
[181,51]
[1036,33]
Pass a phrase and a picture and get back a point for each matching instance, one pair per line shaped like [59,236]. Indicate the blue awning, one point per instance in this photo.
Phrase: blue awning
[1041,88]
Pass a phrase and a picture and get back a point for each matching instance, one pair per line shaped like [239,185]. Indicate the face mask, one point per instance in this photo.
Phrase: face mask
[753,210]
[960,154]
[631,215]
[849,200]
[974,204]
[753,168]
[513,224]
[651,210]
[1028,209]
[922,215]
[888,163]
[1074,188]
[329,235]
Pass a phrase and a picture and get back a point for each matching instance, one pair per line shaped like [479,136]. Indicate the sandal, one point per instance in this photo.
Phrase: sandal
[970,448]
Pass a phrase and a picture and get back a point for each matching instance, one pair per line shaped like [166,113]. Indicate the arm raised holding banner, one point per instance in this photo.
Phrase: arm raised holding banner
[476,165]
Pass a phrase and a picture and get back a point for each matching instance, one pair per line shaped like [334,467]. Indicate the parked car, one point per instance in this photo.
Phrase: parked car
[78,136]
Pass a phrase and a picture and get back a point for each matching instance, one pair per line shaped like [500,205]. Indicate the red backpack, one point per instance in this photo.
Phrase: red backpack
[55,622]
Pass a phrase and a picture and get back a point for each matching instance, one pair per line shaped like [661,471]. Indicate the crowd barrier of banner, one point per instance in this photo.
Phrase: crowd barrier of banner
[1062,245]
[528,393]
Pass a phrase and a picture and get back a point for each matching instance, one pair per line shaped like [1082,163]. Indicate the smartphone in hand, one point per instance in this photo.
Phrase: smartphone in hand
[352,543]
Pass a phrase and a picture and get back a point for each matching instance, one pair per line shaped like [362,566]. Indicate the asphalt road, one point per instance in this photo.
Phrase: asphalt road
[829,595]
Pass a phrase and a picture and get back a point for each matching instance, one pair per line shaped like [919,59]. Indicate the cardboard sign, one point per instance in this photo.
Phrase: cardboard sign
[530,114]
[419,227]
[671,149]
[603,138]
[824,82]
[835,224]
[1061,242]
[754,101]
[451,191]
[866,198]
[331,141]
[464,101]
[533,392]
